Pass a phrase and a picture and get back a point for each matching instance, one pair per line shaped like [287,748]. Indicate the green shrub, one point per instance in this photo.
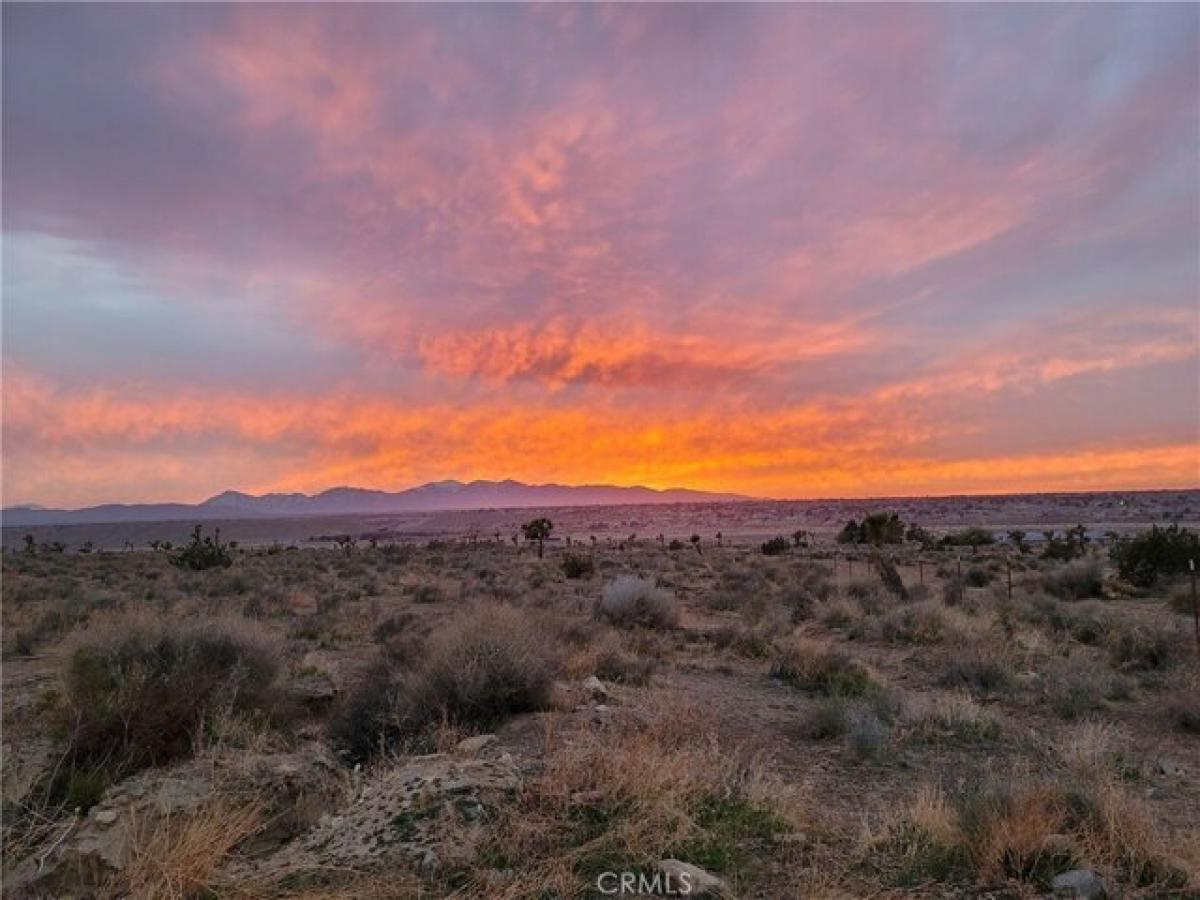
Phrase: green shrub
[813,666]
[1078,580]
[1155,554]
[630,601]
[876,529]
[138,689]
[980,670]
[776,546]
[968,537]
[1144,648]
[203,552]
[578,565]
[484,667]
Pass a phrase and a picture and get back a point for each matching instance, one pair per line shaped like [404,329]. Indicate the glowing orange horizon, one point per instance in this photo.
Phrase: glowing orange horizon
[783,251]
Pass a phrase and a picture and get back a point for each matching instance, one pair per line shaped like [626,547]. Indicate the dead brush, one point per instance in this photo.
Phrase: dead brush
[174,857]
[618,799]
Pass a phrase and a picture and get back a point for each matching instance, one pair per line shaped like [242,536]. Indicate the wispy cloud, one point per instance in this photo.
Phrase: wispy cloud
[781,249]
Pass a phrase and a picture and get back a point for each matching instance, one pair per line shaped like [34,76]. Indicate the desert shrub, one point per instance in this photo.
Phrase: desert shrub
[138,689]
[978,578]
[953,589]
[393,625]
[203,552]
[918,623]
[1183,708]
[1144,648]
[981,669]
[426,592]
[619,667]
[814,666]
[630,601]
[486,665]
[1075,581]
[1155,554]
[365,725]
[578,565]
[954,717]
[1179,599]
[968,537]
[776,546]
[1073,694]
[889,575]
[1072,545]
[868,596]
[1004,829]
[876,529]
[839,613]
[752,643]
[867,733]
[827,720]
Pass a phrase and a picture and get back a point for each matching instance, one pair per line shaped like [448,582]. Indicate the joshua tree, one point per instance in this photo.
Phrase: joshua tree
[695,539]
[538,530]
[1017,538]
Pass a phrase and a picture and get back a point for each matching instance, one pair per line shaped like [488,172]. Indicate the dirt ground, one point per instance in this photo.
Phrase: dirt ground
[798,723]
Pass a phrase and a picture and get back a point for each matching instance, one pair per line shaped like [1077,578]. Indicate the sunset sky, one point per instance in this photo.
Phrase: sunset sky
[788,251]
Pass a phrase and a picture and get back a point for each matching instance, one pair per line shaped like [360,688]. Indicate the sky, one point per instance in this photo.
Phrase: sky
[782,250]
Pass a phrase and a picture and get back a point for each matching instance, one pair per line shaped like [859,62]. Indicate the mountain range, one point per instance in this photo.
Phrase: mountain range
[433,497]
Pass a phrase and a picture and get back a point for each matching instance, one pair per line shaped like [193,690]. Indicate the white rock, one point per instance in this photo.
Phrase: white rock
[684,879]
[473,746]
[595,687]
[1081,883]
[104,816]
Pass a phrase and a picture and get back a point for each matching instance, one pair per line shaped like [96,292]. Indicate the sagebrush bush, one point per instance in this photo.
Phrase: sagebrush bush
[1154,554]
[630,601]
[815,666]
[138,688]
[1078,580]
[981,669]
[1144,648]
[918,623]
[776,546]
[486,665]
[578,565]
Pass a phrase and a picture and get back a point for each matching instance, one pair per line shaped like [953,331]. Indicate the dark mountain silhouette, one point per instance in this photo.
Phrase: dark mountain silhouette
[433,497]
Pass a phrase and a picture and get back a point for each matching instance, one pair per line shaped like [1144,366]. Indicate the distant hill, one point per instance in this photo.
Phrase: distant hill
[433,497]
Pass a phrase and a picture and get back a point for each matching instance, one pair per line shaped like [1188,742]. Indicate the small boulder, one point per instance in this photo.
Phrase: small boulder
[1169,766]
[1083,884]
[687,880]
[595,688]
[473,746]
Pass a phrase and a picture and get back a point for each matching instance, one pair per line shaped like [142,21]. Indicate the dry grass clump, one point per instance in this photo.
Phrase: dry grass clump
[486,665]
[1077,580]
[983,668]
[751,642]
[816,666]
[1030,829]
[1145,648]
[138,688]
[1183,705]
[171,857]
[952,716]
[630,601]
[1092,748]
[623,799]
[917,623]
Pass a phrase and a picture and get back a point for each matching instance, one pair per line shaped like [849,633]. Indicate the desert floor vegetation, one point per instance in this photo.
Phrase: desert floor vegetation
[474,718]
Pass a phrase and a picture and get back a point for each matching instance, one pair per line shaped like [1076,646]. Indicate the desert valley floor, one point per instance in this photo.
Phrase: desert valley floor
[410,714]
